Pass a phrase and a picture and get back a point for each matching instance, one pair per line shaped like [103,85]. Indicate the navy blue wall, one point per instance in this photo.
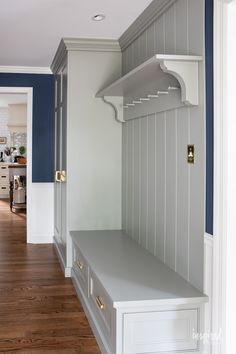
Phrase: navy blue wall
[209,115]
[43,121]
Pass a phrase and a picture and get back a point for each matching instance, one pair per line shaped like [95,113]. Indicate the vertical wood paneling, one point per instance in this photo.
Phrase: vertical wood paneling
[150,41]
[136,53]
[137,178]
[144,181]
[124,69]
[160,185]
[143,47]
[129,58]
[151,235]
[124,176]
[160,35]
[171,177]
[182,197]
[129,177]
[170,31]
[196,26]
[182,27]
[163,196]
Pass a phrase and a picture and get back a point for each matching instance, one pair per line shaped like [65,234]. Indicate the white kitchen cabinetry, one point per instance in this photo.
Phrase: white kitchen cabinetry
[87,142]
[4,180]
[134,303]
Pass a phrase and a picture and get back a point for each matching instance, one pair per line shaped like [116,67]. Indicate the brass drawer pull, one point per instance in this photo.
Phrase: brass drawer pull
[80,265]
[99,303]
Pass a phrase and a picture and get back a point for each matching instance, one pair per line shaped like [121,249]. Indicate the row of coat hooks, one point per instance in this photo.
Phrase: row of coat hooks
[151,96]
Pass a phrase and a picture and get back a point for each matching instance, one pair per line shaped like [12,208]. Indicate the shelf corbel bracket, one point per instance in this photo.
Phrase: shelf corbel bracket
[117,104]
[187,75]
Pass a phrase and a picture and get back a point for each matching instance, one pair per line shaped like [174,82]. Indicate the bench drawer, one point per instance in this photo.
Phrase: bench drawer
[101,303]
[81,269]
[164,331]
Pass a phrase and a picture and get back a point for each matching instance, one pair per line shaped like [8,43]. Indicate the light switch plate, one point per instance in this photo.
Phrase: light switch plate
[191,154]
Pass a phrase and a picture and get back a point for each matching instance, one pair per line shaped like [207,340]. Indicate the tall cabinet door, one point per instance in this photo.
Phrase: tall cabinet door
[64,155]
[60,184]
[57,181]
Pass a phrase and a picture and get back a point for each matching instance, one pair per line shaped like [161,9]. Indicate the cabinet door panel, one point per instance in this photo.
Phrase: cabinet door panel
[57,184]
[64,155]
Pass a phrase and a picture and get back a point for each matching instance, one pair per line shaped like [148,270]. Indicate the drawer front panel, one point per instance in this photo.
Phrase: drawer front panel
[4,189]
[164,331]
[81,269]
[101,303]
[3,168]
[4,178]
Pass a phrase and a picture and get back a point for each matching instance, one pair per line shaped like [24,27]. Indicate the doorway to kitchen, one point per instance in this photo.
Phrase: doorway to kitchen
[16,156]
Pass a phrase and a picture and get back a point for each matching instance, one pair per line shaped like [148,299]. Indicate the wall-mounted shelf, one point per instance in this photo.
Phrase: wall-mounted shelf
[163,82]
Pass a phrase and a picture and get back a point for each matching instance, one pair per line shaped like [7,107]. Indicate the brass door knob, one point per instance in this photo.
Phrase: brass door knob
[99,303]
[80,265]
[58,176]
[63,176]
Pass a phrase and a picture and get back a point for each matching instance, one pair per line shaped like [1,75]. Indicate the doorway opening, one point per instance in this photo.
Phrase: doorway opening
[16,158]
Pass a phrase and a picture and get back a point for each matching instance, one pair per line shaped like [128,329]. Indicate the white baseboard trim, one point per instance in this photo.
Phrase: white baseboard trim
[40,212]
[208,287]
[39,239]
[66,270]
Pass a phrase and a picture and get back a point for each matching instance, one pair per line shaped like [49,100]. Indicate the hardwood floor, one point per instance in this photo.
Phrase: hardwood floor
[39,310]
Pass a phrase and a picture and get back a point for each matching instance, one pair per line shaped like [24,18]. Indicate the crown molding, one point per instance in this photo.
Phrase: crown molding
[147,17]
[25,69]
[83,44]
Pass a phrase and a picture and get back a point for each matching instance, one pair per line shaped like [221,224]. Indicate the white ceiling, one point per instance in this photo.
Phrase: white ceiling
[30,30]
[12,98]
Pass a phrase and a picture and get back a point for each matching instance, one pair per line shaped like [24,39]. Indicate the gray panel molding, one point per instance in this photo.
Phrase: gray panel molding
[148,16]
[83,44]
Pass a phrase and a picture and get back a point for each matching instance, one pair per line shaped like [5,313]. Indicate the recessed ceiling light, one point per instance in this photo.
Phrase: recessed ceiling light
[98,17]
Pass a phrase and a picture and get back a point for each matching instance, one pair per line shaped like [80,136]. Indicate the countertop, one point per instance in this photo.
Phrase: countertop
[17,165]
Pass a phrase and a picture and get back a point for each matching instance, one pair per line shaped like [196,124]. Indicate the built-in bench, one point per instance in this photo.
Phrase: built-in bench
[134,302]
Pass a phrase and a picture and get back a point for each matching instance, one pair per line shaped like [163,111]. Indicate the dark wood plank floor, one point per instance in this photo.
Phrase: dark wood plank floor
[39,309]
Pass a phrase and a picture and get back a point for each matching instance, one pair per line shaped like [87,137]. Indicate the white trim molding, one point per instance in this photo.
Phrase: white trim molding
[224,289]
[25,70]
[219,167]
[208,276]
[39,195]
[148,16]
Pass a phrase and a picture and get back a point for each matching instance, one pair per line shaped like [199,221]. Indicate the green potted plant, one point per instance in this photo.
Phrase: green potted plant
[22,159]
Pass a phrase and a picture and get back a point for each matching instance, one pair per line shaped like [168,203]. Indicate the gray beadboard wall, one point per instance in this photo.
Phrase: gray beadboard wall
[163,195]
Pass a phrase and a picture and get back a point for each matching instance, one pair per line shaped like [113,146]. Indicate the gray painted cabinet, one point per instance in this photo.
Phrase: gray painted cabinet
[87,144]
[60,184]
[134,303]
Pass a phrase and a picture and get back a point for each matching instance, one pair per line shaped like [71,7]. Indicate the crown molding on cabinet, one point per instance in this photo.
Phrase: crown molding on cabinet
[148,16]
[83,44]
[25,69]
